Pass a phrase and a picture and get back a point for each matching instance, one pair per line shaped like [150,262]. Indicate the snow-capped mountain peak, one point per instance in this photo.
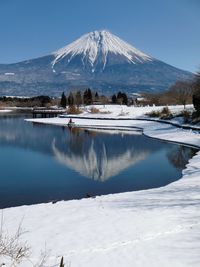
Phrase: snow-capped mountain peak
[96,47]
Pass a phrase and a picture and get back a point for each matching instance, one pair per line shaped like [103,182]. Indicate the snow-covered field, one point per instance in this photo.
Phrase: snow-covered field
[157,227]
[115,112]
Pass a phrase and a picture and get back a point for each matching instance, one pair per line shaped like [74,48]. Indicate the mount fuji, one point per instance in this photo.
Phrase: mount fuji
[99,60]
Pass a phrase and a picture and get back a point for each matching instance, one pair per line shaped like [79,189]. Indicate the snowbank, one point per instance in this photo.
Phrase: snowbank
[5,110]
[157,227]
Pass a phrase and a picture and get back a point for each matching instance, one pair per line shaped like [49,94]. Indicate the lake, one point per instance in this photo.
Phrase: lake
[42,163]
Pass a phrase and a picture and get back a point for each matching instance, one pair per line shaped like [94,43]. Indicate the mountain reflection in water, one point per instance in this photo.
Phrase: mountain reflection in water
[97,159]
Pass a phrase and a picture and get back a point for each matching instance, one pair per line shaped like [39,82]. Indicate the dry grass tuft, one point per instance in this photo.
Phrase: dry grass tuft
[74,110]
[164,114]
[94,110]
[11,246]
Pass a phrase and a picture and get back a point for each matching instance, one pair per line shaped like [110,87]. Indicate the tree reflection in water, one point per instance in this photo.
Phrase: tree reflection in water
[180,155]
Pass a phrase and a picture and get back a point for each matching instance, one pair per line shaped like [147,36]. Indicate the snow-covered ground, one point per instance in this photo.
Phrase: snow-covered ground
[157,227]
[5,110]
[117,112]
[123,111]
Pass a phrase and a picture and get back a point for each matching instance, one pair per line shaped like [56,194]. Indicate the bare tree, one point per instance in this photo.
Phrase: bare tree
[182,91]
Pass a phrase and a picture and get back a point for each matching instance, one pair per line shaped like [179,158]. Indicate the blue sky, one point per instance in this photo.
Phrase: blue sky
[168,30]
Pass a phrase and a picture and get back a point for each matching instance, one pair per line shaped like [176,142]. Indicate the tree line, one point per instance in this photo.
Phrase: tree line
[88,97]
[181,92]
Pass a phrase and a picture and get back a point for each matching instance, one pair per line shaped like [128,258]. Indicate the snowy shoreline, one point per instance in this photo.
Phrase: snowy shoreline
[5,110]
[145,228]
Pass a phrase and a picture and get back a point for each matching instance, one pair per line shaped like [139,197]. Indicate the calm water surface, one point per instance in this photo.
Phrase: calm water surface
[40,163]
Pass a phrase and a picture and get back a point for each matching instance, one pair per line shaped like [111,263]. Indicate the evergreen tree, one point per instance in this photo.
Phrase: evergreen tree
[78,98]
[125,99]
[119,98]
[87,97]
[196,95]
[119,95]
[96,96]
[70,99]
[196,83]
[114,99]
[63,101]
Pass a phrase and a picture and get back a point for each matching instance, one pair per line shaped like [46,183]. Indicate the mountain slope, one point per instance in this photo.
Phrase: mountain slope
[99,60]
[96,48]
